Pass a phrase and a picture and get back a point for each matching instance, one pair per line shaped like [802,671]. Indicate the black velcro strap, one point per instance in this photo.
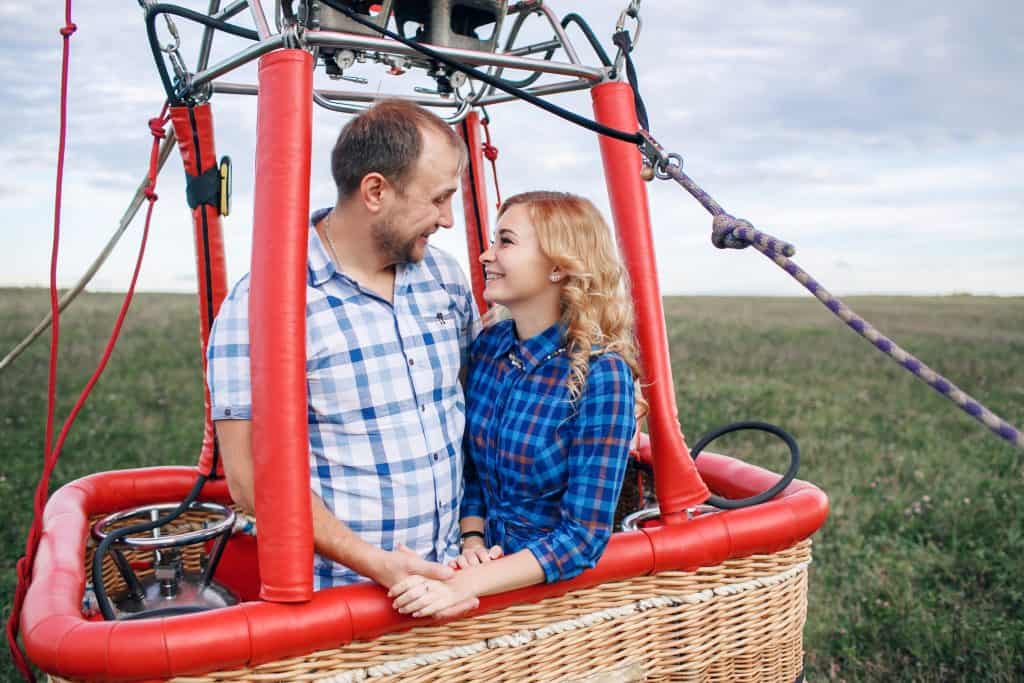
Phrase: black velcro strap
[203,189]
[624,43]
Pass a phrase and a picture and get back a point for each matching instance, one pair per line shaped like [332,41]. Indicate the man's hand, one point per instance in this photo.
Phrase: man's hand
[390,567]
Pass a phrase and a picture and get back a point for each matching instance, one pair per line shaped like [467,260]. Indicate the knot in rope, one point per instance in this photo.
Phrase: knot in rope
[68,29]
[725,232]
[156,127]
[491,153]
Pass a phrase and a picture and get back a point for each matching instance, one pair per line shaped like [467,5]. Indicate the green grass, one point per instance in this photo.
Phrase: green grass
[917,574]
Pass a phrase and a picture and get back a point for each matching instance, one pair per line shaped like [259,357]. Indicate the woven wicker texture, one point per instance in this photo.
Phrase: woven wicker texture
[739,621]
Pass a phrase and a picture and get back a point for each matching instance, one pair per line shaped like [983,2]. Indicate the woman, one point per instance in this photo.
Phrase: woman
[551,406]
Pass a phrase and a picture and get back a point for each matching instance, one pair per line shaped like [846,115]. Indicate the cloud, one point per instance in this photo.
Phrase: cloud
[884,139]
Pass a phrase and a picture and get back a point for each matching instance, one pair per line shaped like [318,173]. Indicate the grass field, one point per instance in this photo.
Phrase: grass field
[918,574]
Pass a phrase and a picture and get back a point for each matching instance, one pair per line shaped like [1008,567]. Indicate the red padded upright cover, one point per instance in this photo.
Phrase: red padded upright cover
[678,484]
[277,326]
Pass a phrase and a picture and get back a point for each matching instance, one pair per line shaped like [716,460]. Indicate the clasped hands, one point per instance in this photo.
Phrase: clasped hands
[444,598]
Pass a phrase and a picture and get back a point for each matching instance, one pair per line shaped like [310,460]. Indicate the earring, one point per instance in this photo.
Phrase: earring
[555,277]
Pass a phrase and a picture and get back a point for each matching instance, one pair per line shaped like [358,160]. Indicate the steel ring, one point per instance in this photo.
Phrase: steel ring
[664,174]
[223,525]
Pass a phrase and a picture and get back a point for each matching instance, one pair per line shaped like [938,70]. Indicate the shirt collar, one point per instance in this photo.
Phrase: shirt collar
[321,266]
[538,348]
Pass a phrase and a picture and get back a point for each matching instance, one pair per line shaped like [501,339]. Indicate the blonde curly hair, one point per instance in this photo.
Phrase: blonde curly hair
[595,304]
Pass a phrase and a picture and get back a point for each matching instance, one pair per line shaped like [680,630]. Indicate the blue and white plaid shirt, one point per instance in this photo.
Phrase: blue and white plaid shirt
[386,408]
[544,473]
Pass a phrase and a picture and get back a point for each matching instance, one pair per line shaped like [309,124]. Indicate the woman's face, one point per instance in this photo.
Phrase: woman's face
[517,271]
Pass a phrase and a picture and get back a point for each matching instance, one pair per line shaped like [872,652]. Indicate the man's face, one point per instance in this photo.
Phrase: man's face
[402,232]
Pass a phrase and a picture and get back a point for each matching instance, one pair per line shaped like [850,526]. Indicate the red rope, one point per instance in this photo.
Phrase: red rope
[491,152]
[24,566]
[51,450]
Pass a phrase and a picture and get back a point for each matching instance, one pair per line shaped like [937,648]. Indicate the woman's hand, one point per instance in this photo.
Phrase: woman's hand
[474,552]
[422,597]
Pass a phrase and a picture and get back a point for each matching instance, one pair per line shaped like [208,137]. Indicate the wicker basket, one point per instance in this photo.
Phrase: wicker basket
[741,620]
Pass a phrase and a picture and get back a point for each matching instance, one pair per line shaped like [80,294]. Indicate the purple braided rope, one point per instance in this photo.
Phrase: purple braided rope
[736,233]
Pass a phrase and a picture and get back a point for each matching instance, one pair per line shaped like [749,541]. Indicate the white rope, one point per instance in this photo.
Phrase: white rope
[525,636]
[69,296]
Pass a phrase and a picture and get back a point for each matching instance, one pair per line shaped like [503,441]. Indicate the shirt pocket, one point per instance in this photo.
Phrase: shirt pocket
[438,325]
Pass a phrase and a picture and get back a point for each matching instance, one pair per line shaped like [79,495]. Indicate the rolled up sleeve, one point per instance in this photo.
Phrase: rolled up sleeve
[227,356]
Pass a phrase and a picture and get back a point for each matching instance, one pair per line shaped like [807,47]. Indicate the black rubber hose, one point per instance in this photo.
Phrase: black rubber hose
[794,462]
[101,551]
[154,43]
[571,18]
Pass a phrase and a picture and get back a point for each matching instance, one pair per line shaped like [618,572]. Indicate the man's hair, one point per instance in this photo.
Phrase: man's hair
[386,139]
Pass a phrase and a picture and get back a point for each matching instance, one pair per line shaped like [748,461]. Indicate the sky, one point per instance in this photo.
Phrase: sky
[884,140]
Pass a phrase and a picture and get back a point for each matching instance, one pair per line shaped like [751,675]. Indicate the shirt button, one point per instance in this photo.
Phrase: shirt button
[412,362]
[423,408]
[437,456]
[227,411]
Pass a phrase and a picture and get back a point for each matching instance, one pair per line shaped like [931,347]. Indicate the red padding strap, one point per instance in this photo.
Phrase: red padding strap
[193,129]
[474,204]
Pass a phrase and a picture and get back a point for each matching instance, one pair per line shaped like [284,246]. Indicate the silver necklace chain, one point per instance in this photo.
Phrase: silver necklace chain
[330,242]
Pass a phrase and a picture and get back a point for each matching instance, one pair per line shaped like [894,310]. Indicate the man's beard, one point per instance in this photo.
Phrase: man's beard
[390,243]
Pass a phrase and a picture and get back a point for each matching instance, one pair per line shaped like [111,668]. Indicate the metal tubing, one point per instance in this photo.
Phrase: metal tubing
[277,326]
[221,15]
[678,484]
[207,41]
[259,17]
[241,59]
[343,108]
[472,57]
[474,204]
[228,88]
[231,10]
[553,89]
[544,46]
[570,51]
[561,39]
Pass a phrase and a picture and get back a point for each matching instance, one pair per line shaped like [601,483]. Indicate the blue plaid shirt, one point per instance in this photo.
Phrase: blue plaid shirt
[545,474]
[386,408]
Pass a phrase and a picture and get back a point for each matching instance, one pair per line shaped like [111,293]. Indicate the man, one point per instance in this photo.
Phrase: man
[388,321]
